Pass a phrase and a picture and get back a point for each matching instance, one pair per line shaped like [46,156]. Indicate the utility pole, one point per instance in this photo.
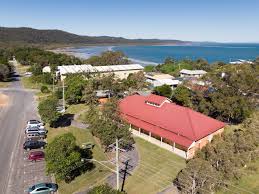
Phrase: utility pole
[53,84]
[117,164]
[63,92]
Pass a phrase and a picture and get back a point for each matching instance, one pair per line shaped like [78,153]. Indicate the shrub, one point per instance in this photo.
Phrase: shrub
[44,89]
[104,189]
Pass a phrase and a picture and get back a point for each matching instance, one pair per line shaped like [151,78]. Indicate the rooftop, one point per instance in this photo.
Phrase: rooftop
[65,69]
[168,120]
[193,72]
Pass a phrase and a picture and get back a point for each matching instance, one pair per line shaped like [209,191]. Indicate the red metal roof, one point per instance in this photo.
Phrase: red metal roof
[176,123]
[155,99]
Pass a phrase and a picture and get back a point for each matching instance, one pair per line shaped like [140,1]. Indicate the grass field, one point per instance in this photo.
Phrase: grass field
[90,178]
[4,84]
[157,169]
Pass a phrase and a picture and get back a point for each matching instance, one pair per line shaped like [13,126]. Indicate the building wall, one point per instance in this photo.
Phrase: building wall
[118,74]
[180,152]
[203,142]
[193,75]
[159,143]
[122,74]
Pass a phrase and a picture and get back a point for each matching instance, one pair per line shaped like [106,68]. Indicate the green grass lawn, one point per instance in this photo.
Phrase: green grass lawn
[29,84]
[89,178]
[4,84]
[77,108]
[157,168]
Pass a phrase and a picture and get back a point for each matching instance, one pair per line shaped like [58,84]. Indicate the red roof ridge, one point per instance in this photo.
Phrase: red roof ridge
[189,118]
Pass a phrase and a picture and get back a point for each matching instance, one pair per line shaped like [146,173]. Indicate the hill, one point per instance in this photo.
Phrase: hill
[30,36]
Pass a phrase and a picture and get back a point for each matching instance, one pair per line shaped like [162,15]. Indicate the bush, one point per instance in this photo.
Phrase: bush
[104,189]
[44,89]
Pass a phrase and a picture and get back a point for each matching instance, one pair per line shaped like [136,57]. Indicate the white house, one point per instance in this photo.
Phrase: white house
[192,73]
[159,79]
[120,71]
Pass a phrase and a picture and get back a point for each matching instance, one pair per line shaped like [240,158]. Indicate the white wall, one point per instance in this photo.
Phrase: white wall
[166,146]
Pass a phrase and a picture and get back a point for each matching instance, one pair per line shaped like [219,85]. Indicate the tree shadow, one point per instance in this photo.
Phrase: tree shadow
[64,120]
[84,166]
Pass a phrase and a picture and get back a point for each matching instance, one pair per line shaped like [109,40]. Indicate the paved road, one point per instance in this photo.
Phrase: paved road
[13,166]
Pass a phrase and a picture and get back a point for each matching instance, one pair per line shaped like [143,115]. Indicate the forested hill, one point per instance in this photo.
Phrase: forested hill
[33,36]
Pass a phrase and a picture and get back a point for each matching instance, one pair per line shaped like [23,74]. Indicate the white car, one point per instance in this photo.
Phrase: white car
[34,123]
[35,129]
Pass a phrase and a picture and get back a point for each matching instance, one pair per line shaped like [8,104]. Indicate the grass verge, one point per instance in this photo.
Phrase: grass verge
[90,178]
[156,170]
[4,84]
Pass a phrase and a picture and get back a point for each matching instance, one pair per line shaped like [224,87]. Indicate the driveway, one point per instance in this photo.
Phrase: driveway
[14,169]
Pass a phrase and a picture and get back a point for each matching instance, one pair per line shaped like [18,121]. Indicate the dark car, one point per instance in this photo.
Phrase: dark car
[36,155]
[33,144]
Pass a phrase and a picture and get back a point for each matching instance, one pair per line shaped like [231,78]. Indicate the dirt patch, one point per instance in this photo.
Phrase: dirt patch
[3,100]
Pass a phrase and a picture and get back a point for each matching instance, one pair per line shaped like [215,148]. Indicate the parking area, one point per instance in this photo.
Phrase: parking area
[25,173]
[34,172]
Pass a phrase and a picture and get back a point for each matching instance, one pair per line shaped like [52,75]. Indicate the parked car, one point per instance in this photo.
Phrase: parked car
[43,188]
[36,135]
[36,155]
[33,144]
[35,129]
[34,123]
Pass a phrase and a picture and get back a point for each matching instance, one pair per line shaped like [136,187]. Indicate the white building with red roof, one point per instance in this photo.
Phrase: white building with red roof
[178,129]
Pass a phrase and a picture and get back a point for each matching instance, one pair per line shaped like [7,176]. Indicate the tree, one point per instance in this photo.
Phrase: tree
[4,72]
[164,90]
[196,178]
[63,158]
[104,189]
[182,96]
[149,68]
[89,94]
[75,84]
[108,58]
[136,81]
[48,110]
[107,124]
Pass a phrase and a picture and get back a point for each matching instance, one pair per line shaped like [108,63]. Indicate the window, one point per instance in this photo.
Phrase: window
[42,189]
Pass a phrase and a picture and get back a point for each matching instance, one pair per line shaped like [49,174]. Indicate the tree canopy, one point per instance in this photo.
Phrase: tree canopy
[108,58]
[164,90]
[48,110]
[63,158]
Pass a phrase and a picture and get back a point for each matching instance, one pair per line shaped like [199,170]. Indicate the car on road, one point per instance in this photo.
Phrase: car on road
[33,144]
[35,123]
[36,155]
[43,188]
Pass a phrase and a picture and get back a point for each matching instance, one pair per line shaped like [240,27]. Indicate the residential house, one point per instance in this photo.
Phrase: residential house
[178,129]
[185,73]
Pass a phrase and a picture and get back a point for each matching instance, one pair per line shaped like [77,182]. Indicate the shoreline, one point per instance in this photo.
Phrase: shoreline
[86,55]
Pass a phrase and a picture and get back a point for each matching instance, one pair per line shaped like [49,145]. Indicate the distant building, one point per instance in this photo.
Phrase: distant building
[240,61]
[120,71]
[192,73]
[159,79]
[178,129]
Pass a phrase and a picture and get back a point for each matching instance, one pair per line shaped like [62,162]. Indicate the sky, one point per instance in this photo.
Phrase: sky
[193,20]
